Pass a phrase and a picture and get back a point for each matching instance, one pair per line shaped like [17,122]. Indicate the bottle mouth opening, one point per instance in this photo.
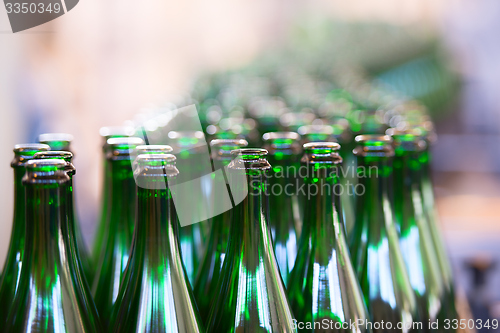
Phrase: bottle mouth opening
[155,167]
[62,154]
[321,146]
[55,137]
[46,171]
[26,151]
[121,148]
[153,149]
[228,143]
[406,140]
[249,153]
[373,139]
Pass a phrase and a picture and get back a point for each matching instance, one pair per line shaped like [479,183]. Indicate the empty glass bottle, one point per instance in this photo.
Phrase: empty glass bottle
[193,159]
[67,156]
[205,285]
[117,236]
[284,149]
[251,294]
[106,133]
[57,141]
[155,295]
[9,283]
[415,239]
[53,296]
[323,288]
[62,142]
[375,250]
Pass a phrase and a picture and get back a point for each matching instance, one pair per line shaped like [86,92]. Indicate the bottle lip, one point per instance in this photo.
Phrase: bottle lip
[249,159]
[228,142]
[374,145]
[58,154]
[281,136]
[369,138]
[152,149]
[121,148]
[46,171]
[26,151]
[321,153]
[48,137]
[154,168]
[406,140]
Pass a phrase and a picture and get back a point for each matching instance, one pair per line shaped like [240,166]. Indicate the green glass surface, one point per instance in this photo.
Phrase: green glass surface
[106,133]
[284,150]
[189,148]
[81,249]
[416,243]
[117,236]
[251,295]
[205,286]
[156,294]
[9,282]
[433,220]
[54,295]
[323,288]
[375,250]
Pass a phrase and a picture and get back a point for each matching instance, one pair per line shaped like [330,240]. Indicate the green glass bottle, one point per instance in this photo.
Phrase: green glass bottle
[106,133]
[57,141]
[426,131]
[205,286]
[155,295]
[62,142]
[193,159]
[323,290]
[67,156]
[53,294]
[415,239]
[9,283]
[375,250]
[117,237]
[284,149]
[251,294]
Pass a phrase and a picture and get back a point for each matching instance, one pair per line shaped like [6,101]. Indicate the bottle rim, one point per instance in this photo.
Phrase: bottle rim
[26,151]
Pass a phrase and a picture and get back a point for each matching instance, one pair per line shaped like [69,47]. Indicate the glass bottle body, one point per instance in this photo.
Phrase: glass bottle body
[251,294]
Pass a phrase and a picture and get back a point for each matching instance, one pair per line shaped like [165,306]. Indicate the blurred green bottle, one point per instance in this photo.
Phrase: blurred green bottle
[426,131]
[250,295]
[117,236]
[9,282]
[62,142]
[193,159]
[284,149]
[54,296]
[205,286]
[106,133]
[375,250]
[156,294]
[415,241]
[323,287]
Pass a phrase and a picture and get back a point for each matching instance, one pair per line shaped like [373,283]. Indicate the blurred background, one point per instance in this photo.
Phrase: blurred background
[103,62]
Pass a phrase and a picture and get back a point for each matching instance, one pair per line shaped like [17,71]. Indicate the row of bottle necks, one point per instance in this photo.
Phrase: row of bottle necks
[293,240]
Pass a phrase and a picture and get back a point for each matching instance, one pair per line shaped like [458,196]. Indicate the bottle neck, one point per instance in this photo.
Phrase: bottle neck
[374,177]
[250,232]
[47,229]
[322,203]
[156,228]
[121,195]
[19,199]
